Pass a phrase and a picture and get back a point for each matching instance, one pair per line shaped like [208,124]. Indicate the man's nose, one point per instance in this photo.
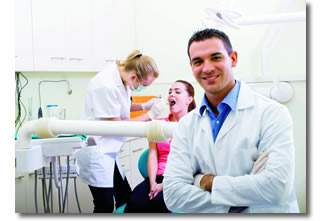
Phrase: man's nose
[208,67]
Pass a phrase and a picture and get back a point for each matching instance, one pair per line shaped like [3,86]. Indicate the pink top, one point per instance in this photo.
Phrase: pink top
[163,149]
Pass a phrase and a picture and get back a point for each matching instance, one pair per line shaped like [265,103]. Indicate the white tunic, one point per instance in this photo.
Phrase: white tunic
[258,124]
[106,97]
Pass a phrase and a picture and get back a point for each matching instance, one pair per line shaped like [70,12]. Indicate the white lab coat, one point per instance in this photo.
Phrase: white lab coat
[106,97]
[258,124]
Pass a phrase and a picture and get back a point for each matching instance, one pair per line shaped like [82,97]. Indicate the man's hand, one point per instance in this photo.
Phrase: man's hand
[260,163]
[204,181]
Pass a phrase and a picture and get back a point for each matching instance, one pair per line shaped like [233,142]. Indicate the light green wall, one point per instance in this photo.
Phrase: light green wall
[56,93]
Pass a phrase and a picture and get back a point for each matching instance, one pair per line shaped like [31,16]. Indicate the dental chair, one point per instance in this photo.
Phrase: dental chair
[142,163]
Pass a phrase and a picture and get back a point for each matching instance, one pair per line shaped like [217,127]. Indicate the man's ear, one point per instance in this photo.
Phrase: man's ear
[234,58]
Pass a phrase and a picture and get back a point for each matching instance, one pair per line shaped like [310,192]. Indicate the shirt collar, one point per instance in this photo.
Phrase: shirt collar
[230,99]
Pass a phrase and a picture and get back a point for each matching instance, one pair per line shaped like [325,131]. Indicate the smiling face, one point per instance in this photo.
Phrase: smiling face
[212,66]
[179,99]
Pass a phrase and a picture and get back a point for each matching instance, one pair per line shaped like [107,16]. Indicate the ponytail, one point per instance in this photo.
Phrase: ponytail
[133,55]
[142,64]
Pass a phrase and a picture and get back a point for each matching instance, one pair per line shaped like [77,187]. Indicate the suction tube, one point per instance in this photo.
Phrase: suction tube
[51,127]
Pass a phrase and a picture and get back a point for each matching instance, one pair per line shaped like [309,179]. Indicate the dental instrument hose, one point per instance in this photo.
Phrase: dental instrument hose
[57,185]
[44,191]
[49,195]
[61,183]
[36,191]
[76,196]
[66,188]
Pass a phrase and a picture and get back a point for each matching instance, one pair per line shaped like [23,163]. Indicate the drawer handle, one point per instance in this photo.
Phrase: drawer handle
[57,58]
[75,59]
[109,60]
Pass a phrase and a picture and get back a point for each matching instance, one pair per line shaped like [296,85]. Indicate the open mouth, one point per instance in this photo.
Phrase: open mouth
[172,103]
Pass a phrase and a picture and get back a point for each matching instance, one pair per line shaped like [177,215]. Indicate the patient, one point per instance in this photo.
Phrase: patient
[147,197]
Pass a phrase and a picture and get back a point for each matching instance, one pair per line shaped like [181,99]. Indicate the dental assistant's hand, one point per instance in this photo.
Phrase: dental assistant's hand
[147,105]
[156,110]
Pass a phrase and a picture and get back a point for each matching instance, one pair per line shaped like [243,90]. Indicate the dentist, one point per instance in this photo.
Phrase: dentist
[108,98]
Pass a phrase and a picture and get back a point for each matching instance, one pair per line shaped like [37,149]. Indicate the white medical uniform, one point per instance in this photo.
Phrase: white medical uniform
[106,97]
[258,124]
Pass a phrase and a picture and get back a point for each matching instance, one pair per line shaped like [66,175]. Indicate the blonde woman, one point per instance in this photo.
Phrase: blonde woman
[108,98]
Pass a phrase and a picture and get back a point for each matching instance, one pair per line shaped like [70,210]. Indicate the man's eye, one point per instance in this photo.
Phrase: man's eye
[216,58]
[195,63]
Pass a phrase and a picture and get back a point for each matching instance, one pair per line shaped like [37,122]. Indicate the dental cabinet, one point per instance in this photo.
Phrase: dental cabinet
[72,35]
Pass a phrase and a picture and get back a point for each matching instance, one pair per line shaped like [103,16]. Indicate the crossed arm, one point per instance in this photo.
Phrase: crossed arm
[264,186]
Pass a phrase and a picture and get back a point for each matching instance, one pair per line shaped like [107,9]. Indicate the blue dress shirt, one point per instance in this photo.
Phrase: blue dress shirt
[228,104]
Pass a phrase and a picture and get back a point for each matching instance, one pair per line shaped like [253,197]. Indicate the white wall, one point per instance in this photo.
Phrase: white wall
[164,27]
[162,31]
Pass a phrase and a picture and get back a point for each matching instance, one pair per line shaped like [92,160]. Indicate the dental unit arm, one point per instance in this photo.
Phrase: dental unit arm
[32,155]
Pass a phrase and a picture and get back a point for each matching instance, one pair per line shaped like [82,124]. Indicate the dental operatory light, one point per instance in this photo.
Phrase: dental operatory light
[69,92]
[234,19]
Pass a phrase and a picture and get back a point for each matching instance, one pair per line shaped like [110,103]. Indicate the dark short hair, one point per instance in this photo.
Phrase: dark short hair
[210,33]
